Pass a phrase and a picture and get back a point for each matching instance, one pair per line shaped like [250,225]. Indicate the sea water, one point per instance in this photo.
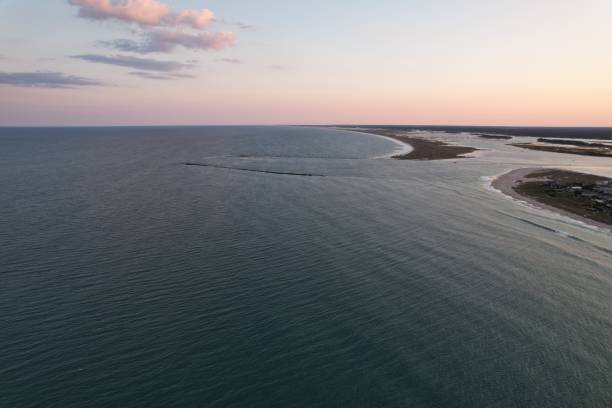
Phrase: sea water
[128,279]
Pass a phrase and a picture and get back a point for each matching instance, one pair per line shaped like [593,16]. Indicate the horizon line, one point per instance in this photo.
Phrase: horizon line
[312,125]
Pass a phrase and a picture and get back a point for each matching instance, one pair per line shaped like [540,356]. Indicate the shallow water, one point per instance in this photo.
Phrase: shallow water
[129,279]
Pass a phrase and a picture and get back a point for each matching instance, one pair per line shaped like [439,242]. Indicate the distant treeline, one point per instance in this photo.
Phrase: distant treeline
[557,132]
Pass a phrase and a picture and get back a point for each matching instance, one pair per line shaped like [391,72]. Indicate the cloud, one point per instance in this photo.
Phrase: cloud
[231,60]
[145,64]
[122,44]
[46,79]
[161,28]
[165,41]
[143,12]
[150,75]
[239,24]
[278,67]
[197,19]
[244,26]
[160,76]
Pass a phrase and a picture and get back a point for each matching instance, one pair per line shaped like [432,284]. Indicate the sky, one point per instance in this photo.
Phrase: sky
[193,62]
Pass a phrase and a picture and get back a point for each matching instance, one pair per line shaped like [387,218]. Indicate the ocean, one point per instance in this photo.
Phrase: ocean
[297,267]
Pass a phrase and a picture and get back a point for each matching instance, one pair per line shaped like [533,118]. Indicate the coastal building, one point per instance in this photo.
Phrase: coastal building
[604,190]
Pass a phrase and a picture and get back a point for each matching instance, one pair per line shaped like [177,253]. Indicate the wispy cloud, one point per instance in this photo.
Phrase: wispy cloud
[239,24]
[160,76]
[46,79]
[279,67]
[121,44]
[231,60]
[244,26]
[165,41]
[143,12]
[145,64]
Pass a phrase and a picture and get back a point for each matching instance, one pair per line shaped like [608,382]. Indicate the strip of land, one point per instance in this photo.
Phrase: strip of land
[601,133]
[422,149]
[584,197]
[581,148]
[494,137]
[578,143]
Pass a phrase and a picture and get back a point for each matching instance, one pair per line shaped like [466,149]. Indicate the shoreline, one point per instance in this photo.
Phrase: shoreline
[506,183]
[517,184]
[405,148]
[420,148]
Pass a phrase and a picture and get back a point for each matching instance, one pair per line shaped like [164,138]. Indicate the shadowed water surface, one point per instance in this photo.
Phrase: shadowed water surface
[131,280]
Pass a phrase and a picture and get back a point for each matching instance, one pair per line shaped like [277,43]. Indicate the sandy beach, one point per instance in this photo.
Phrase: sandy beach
[506,182]
[419,148]
[403,148]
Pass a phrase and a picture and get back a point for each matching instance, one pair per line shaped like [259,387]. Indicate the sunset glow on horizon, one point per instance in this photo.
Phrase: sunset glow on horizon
[190,62]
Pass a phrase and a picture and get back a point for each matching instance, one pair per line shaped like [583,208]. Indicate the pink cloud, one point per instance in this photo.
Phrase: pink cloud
[143,12]
[165,41]
[197,19]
